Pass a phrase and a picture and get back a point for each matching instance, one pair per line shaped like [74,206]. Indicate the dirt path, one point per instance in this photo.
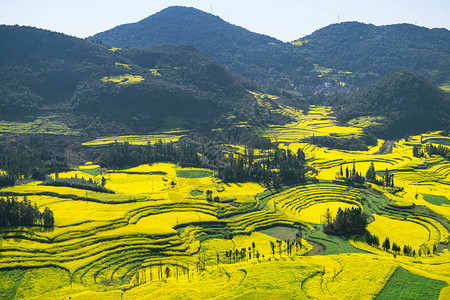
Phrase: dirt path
[317,250]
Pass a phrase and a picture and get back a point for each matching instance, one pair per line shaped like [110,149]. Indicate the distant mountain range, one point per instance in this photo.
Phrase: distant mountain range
[349,52]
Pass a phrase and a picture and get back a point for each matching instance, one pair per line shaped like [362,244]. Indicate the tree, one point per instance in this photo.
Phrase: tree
[370,174]
[386,244]
[49,221]
[272,246]
[209,195]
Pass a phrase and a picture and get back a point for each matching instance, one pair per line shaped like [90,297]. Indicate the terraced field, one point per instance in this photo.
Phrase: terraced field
[157,236]
[165,137]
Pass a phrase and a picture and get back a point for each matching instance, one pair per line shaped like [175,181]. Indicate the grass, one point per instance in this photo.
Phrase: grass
[193,173]
[28,283]
[404,285]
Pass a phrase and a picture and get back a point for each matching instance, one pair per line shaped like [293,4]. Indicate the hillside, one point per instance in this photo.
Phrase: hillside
[407,102]
[351,52]
[97,91]
[249,54]
[380,50]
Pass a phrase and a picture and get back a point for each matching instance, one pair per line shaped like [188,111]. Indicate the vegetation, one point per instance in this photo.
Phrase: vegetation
[205,179]
[7,180]
[348,221]
[21,213]
[405,285]
[374,51]
[408,103]
[77,183]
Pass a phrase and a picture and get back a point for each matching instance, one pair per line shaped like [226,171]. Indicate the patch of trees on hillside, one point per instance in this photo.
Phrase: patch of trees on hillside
[33,164]
[77,183]
[348,221]
[124,155]
[7,180]
[21,213]
[352,144]
[280,167]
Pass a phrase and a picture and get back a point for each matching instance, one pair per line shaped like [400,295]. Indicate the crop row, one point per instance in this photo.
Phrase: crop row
[256,220]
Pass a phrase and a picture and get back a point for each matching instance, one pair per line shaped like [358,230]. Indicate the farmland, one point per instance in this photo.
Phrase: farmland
[160,236]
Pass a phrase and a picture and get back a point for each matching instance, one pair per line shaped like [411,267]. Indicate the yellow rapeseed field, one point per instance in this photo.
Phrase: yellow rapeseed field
[123,79]
[403,232]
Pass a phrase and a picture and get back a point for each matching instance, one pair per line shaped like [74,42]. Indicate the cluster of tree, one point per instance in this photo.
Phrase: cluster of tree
[387,245]
[418,151]
[33,164]
[352,144]
[21,213]
[348,221]
[7,180]
[209,196]
[124,155]
[78,183]
[388,179]
[438,150]
[281,167]
[289,247]
[351,176]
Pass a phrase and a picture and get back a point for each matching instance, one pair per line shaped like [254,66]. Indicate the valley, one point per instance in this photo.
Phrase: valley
[159,235]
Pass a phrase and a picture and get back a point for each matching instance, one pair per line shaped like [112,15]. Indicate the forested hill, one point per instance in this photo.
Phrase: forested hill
[43,73]
[367,48]
[369,52]
[249,54]
[407,102]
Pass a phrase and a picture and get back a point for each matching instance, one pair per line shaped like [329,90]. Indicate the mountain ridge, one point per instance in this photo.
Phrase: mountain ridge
[336,48]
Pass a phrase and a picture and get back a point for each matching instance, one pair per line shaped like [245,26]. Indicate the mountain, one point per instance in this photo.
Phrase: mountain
[346,53]
[105,91]
[381,50]
[249,54]
[406,102]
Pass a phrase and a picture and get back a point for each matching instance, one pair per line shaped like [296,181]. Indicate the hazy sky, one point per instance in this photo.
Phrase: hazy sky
[286,20]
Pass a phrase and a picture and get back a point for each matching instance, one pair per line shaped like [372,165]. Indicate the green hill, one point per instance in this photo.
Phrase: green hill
[249,54]
[350,52]
[116,91]
[381,50]
[407,102]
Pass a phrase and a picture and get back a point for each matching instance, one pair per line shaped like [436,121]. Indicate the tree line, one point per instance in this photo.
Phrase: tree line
[21,213]
[35,164]
[124,155]
[7,180]
[78,183]
[430,149]
[389,245]
[280,167]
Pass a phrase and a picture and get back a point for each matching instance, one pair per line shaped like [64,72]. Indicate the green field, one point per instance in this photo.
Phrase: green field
[404,285]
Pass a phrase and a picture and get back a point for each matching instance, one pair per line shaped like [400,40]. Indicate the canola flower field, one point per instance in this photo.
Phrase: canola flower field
[158,237]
